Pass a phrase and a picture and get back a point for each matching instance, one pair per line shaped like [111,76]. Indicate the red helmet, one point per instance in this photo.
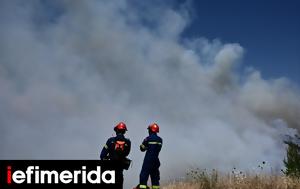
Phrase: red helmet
[153,128]
[120,127]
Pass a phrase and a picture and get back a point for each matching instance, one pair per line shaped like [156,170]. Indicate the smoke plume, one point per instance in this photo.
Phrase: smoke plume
[71,70]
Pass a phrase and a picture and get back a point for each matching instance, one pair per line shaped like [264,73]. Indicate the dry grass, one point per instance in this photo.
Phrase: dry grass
[231,181]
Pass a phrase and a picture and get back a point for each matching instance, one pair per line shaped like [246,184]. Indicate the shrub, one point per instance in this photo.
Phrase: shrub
[292,161]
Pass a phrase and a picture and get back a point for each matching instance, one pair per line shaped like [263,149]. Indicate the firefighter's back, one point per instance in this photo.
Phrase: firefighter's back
[154,146]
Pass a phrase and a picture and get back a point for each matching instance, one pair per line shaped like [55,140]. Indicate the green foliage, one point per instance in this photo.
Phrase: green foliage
[292,161]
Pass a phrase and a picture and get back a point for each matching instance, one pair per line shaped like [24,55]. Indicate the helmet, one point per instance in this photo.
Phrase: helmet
[120,127]
[153,128]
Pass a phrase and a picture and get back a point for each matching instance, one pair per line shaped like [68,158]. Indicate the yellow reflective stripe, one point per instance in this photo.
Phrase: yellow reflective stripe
[143,146]
[159,143]
[105,146]
[142,186]
[155,187]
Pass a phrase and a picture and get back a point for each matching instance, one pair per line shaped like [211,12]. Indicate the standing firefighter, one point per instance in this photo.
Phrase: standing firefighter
[152,145]
[117,149]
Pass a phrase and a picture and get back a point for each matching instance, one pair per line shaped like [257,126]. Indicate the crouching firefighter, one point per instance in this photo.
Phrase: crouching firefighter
[152,145]
[117,149]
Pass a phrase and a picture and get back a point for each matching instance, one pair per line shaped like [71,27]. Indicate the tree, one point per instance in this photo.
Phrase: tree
[292,161]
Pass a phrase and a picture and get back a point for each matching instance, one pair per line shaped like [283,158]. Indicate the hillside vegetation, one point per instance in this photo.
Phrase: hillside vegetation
[215,181]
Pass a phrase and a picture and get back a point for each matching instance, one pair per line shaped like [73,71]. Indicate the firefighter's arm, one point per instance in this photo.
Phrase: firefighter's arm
[144,145]
[128,148]
[105,152]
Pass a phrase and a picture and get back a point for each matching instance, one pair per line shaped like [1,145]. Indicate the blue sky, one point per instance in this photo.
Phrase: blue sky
[269,30]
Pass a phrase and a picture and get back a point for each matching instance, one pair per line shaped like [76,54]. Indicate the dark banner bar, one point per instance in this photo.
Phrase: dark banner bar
[60,173]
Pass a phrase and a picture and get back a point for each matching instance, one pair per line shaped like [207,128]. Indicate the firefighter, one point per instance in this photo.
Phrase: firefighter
[117,149]
[152,145]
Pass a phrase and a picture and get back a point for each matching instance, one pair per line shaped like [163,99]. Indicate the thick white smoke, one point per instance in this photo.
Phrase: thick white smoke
[70,70]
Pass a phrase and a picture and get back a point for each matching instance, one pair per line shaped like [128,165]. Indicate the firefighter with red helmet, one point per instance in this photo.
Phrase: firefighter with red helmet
[152,145]
[117,149]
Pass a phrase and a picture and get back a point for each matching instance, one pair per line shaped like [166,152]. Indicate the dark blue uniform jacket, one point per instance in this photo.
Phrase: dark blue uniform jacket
[108,151]
[152,145]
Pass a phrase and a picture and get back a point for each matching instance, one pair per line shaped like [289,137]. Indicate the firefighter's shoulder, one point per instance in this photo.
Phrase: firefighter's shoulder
[146,139]
[159,138]
[111,140]
[127,140]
